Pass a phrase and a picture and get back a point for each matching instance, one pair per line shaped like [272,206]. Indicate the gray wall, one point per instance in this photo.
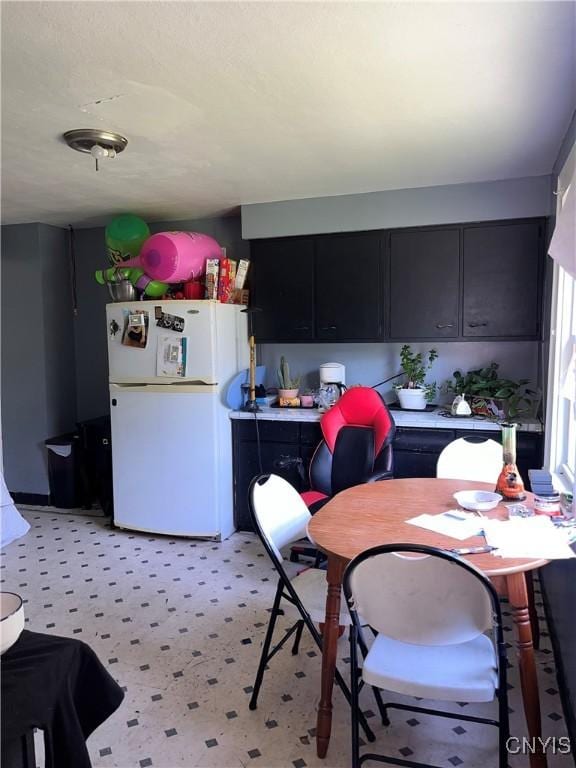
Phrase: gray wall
[565,148]
[480,201]
[90,323]
[38,369]
[60,363]
[371,363]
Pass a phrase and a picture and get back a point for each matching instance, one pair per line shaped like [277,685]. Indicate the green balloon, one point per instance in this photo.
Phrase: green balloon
[125,236]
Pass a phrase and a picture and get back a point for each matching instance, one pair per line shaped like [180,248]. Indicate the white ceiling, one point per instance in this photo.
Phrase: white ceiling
[243,102]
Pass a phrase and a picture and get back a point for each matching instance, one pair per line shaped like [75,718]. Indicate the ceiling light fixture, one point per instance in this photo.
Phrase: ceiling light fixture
[95,142]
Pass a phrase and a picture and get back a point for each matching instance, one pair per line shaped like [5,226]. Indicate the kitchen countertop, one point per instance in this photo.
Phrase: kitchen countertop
[417,419]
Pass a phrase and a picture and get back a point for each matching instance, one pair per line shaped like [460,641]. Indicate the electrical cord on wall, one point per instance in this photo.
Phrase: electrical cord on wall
[72,259]
[258,447]
[396,375]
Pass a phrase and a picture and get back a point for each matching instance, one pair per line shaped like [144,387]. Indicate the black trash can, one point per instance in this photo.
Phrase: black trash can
[63,470]
[96,461]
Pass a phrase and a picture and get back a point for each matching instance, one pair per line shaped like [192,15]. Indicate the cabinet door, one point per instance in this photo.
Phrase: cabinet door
[416,450]
[502,280]
[282,285]
[349,288]
[279,458]
[425,284]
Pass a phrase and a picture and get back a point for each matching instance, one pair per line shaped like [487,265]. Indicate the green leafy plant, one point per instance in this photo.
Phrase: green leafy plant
[483,386]
[285,381]
[414,367]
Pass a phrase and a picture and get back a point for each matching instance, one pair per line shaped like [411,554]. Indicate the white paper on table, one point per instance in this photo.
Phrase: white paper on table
[456,524]
[530,537]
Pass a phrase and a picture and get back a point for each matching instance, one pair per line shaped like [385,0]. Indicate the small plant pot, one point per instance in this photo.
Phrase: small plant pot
[288,393]
[412,399]
[490,407]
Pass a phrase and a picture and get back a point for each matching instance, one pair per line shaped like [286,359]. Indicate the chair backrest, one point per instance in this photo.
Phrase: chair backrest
[466,460]
[420,595]
[356,431]
[279,514]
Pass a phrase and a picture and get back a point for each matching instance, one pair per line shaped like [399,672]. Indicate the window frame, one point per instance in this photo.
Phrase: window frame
[560,444]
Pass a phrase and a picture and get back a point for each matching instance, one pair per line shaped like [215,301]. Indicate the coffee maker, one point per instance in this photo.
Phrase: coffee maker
[332,384]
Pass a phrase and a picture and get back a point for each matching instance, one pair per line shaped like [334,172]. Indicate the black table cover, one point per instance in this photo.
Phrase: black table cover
[57,684]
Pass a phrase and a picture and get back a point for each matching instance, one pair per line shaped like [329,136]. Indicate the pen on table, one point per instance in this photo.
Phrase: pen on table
[472,550]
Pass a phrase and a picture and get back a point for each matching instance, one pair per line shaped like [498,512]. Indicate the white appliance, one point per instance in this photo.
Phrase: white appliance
[171,438]
[332,373]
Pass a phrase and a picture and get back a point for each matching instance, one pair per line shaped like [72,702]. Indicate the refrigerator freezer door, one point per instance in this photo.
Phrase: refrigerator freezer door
[167,475]
[139,364]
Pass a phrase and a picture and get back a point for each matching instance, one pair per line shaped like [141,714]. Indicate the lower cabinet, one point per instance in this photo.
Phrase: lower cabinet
[416,451]
[286,448]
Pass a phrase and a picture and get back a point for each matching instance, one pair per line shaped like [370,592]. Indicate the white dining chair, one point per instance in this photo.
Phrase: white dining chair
[482,461]
[280,517]
[463,459]
[431,611]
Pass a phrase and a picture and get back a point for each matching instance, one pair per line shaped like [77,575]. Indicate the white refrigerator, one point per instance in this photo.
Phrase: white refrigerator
[169,366]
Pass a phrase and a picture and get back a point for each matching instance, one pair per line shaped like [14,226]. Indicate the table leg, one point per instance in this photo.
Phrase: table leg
[329,649]
[518,597]
[532,609]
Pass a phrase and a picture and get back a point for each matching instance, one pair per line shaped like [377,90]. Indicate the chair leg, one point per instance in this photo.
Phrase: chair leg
[296,645]
[532,612]
[266,647]
[354,700]
[319,559]
[381,706]
[503,729]
[377,694]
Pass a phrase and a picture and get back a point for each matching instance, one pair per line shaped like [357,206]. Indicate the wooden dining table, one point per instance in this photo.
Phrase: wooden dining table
[376,513]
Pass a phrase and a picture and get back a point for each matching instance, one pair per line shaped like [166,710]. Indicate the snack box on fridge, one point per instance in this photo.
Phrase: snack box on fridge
[241,273]
[212,268]
[226,280]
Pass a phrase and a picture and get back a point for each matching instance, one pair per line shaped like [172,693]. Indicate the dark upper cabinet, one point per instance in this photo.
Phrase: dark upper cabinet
[502,268]
[455,281]
[425,284]
[349,287]
[282,285]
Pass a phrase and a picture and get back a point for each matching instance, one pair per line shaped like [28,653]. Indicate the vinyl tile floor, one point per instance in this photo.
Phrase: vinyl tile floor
[180,624]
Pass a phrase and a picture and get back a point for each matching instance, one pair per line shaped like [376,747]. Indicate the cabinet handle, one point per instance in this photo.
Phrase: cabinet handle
[477,325]
[444,325]
[329,328]
[302,328]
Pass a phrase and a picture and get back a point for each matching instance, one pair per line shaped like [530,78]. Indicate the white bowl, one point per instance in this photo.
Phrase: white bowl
[478,501]
[11,619]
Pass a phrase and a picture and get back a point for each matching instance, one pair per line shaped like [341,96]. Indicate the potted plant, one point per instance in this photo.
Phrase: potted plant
[492,396]
[415,393]
[287,386]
